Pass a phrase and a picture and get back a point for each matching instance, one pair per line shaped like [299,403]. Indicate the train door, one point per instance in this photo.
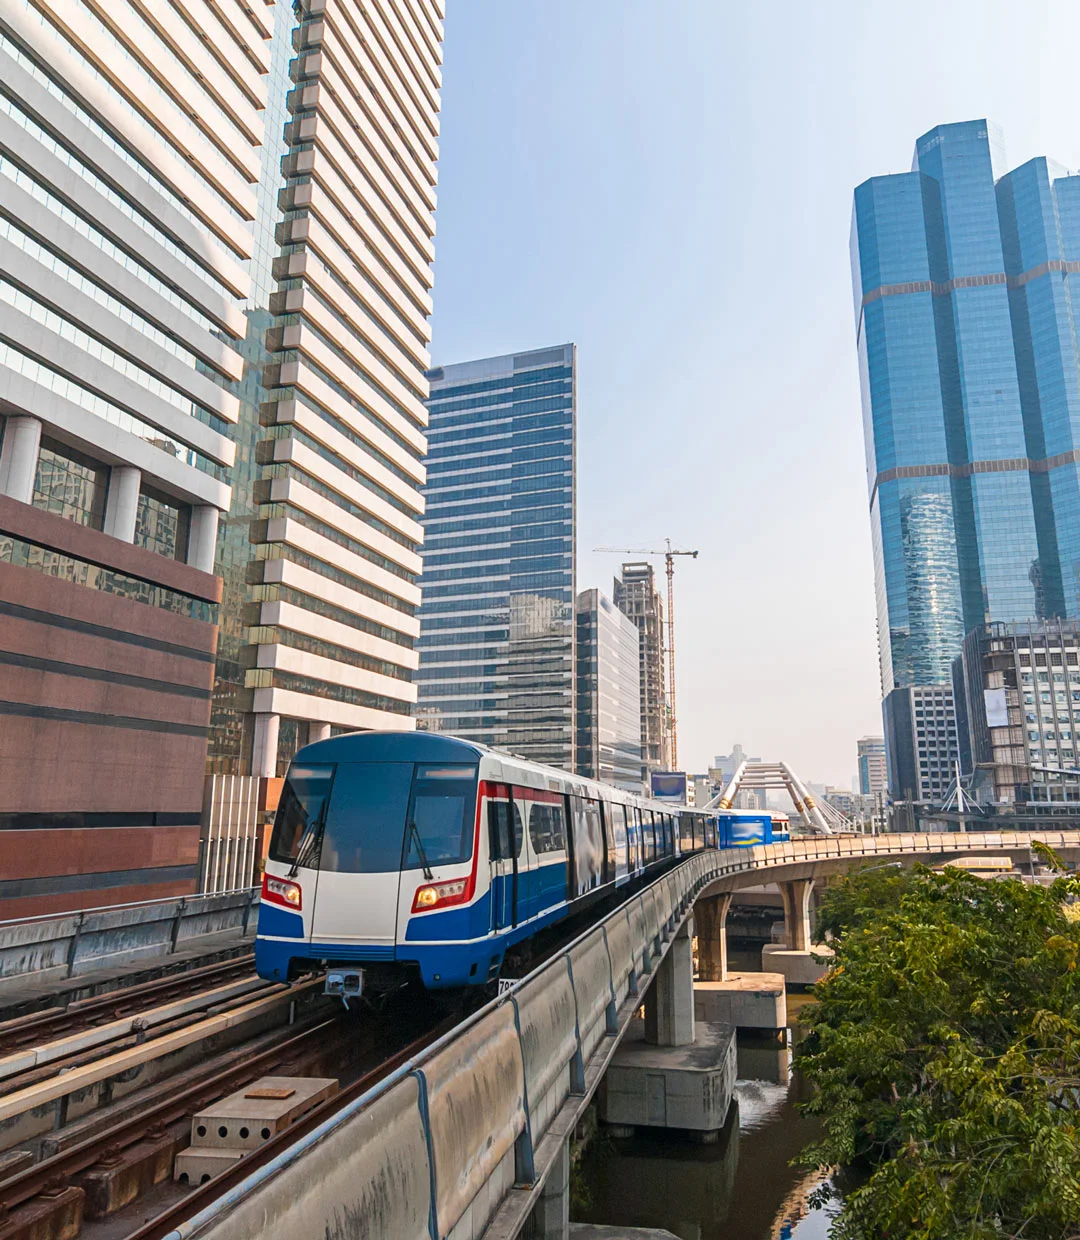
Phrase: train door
[633,837]
[617,845]
[359,854]
[505,834]
[525,899]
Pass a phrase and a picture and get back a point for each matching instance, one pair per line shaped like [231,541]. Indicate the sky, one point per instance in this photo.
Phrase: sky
[669,187]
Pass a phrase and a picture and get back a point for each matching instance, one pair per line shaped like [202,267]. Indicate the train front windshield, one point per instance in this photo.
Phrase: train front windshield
[375,817]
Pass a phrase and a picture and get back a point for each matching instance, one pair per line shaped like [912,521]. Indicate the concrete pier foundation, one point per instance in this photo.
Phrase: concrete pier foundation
[744,1000]
[597,1231]
[798,968]
[669,1001]
[683,1087]
[550,1219]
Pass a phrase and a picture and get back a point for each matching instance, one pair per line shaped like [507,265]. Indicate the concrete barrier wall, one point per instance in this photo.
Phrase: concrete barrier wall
[547,1021]
[80,943]
[476,1112]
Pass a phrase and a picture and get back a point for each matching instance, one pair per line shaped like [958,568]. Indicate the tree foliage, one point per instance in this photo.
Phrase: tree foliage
[945,1047]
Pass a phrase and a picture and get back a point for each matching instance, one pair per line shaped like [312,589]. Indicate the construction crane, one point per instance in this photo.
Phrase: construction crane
[669,555]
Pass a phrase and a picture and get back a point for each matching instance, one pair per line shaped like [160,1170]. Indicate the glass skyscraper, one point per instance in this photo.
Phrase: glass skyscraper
[971,401]
[496,638]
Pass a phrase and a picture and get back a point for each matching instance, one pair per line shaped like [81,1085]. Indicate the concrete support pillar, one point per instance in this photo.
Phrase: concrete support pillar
[122,502]
[317,732]
[551,1214]
[796,897]
[264,745]
[202,537]
[710,921]
[669,1001]
[19,458]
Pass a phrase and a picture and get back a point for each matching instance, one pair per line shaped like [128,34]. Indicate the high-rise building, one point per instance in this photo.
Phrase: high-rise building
[637,597]
[128,156]
[872,767]
[608,693]
[1017,689]
[334,417]
[971,403]
[497,621]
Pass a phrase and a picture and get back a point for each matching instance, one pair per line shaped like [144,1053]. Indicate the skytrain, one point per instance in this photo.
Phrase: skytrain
[412,855]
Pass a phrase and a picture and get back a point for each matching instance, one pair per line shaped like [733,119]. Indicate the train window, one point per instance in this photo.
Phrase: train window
[502,817]
[300,812]
[439,829]
[588,845]
[547,827]
[365,824]
[648,834]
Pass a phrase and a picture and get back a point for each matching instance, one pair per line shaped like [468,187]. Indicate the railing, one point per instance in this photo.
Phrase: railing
[73,944]
[462,1138]
[231,832]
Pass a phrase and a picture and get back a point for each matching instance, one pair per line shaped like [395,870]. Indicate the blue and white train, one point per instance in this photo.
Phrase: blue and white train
[413,854]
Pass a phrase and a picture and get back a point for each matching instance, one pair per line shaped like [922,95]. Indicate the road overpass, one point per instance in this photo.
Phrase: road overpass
[470,1140]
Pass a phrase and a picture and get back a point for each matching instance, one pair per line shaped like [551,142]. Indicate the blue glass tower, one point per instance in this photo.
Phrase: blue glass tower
[970,378]
[498,586]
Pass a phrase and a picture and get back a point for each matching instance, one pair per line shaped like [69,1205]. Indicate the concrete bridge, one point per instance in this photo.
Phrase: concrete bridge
[471,1139]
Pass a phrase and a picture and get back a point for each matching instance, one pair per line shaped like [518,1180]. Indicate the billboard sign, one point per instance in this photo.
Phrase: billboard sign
[997,711]
[668,786]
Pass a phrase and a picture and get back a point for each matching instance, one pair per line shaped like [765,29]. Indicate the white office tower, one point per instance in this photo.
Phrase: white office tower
[128,136]
[339,506]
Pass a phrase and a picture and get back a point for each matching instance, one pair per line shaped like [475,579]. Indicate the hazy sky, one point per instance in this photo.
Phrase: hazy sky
[669,186]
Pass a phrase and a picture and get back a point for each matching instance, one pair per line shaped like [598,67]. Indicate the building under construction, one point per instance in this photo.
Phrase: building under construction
[637,597]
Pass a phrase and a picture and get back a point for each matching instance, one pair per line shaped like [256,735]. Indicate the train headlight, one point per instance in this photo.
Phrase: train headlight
[436,894]
[281,891]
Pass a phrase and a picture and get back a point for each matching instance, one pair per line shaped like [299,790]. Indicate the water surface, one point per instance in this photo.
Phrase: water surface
[741,1188]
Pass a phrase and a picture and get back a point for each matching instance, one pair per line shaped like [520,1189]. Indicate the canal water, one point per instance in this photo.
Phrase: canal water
[741,1188]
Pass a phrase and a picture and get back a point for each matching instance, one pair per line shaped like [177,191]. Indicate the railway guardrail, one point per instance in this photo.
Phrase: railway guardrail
[69,945]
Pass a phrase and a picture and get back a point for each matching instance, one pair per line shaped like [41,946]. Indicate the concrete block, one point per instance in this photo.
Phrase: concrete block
[799,968]
[56,1215]
[254,1114]
[684,1087]
[117,1181]
[196,1165]
[745,1000]
[366,1175]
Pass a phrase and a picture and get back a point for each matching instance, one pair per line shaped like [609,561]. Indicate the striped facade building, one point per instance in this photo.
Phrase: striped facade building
[334,579]
[129,139]
[215,245]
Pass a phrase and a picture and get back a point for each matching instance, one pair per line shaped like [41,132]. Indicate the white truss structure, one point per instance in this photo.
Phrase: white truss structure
[819,816]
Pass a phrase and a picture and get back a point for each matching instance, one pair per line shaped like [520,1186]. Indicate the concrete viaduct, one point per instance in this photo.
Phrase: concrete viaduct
[470,1141]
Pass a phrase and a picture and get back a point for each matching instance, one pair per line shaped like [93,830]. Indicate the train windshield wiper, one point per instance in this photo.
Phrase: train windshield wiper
[308,844]
[414,831]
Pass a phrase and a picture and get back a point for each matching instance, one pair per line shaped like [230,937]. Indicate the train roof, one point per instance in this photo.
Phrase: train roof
[417,746]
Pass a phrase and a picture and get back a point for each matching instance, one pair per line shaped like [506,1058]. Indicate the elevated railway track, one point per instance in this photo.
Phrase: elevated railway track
[101,1168]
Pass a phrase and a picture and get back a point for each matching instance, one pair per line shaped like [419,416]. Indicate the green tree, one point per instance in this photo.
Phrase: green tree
[945,1047]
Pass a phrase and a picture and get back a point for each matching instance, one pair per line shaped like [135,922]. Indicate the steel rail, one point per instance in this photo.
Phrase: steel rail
[28,1184]
[165,1223]
[114,1004]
